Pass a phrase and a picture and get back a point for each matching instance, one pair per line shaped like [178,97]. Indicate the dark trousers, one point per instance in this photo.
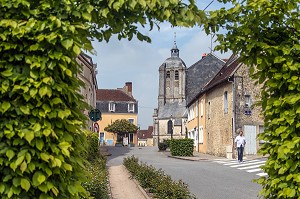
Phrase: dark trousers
[240,151]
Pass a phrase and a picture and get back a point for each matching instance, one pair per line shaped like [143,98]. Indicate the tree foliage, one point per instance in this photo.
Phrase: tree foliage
[121,126]
[41,122]
[266,35]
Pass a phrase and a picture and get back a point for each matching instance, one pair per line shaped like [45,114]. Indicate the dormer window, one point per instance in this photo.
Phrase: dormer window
[176,75]
[131,107]
[111,107]
[168,74]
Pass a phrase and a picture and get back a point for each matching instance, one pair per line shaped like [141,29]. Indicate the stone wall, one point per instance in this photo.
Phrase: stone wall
[219,123]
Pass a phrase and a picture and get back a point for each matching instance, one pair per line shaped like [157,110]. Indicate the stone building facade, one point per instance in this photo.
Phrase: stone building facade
[88,76]
[198,75]
[171,98]
[229,106]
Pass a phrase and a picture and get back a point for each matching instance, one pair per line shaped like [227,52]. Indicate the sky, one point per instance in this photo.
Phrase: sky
[138,62]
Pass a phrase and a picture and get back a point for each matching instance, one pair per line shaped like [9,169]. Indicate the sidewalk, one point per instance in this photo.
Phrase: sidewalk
[122,186]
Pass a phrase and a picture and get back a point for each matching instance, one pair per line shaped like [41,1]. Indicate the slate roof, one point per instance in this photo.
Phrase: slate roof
[199,74]
[113,95]
[171,108]
[173,62]
[144,134]
[225,73]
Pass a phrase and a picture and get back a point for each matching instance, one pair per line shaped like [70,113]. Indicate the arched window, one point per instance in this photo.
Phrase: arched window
[176,75]
[168,74]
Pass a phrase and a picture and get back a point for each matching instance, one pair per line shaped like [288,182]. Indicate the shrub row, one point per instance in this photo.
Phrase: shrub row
[182,147]
[96,167]
[156,182]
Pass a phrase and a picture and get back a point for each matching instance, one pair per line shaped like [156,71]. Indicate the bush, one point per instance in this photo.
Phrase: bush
[162,146]
[156,182]
[182,147]
[97,181]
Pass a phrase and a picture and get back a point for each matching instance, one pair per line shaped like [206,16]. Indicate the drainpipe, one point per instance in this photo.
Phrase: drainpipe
[233,113]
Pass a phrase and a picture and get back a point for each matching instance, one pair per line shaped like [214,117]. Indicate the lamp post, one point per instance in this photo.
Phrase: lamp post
[170,127]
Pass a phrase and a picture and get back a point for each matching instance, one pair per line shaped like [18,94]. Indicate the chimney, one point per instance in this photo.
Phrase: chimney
[204,55]
[128,88]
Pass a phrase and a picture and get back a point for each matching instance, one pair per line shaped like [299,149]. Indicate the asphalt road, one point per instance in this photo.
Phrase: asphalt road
[206,179]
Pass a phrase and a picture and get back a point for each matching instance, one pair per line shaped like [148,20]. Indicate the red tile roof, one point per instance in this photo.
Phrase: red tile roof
[144,134]
[113,95]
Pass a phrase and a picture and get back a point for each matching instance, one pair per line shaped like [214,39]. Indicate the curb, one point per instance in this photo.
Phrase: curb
[180,158]
[141,188]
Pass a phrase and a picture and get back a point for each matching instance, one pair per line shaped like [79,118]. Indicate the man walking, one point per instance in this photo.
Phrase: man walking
[240,143]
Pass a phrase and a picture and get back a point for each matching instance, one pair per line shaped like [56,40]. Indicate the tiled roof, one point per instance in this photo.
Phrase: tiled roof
[113,95]
[199,74]
[144,134]
[225,73]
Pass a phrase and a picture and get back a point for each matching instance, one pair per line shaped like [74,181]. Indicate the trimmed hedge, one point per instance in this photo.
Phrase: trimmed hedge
[96,167]
[182,147]
[162,146]
[156,182]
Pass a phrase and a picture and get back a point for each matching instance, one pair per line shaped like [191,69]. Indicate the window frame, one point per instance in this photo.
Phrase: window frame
[112,107]
[129,107]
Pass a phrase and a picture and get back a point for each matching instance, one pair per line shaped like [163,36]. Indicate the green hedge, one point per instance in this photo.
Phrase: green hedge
[97,181]
[182,147]
[156,182]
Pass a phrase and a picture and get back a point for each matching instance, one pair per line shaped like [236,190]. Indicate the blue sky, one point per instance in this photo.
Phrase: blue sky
[138,62]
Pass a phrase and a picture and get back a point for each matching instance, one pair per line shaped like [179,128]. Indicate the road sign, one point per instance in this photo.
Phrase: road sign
[96,127]
[95,115]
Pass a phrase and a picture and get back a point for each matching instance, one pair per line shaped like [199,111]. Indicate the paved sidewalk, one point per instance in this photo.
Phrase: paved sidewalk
[122,187]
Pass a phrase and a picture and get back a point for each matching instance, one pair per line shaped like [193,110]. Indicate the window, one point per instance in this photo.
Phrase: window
[131,107]
[225,102]
[176,75]
[201,135]
[209,111]
[201,108]
[168,74]
[247,101]
[131,121]
[112,107]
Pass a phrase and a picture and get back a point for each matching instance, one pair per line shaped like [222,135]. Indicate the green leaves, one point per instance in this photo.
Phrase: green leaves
[271,47]
[121,126]
[67,43]
[38,178]
[25,184]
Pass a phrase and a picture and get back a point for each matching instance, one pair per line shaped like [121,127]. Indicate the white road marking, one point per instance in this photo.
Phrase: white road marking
[254,170]
[251,167]
[262,174]
[243,165]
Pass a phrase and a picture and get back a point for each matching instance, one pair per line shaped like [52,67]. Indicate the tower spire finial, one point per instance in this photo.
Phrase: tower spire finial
[174,38]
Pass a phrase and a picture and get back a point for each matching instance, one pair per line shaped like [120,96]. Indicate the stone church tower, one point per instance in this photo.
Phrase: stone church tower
[171,98]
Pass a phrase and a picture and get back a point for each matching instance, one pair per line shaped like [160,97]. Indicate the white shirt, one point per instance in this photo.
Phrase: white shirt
[240,140]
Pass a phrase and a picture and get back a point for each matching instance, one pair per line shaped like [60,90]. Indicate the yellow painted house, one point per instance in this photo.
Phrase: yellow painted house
[116,104]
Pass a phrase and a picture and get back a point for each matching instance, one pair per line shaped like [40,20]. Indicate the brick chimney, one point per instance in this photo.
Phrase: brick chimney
[128,88]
